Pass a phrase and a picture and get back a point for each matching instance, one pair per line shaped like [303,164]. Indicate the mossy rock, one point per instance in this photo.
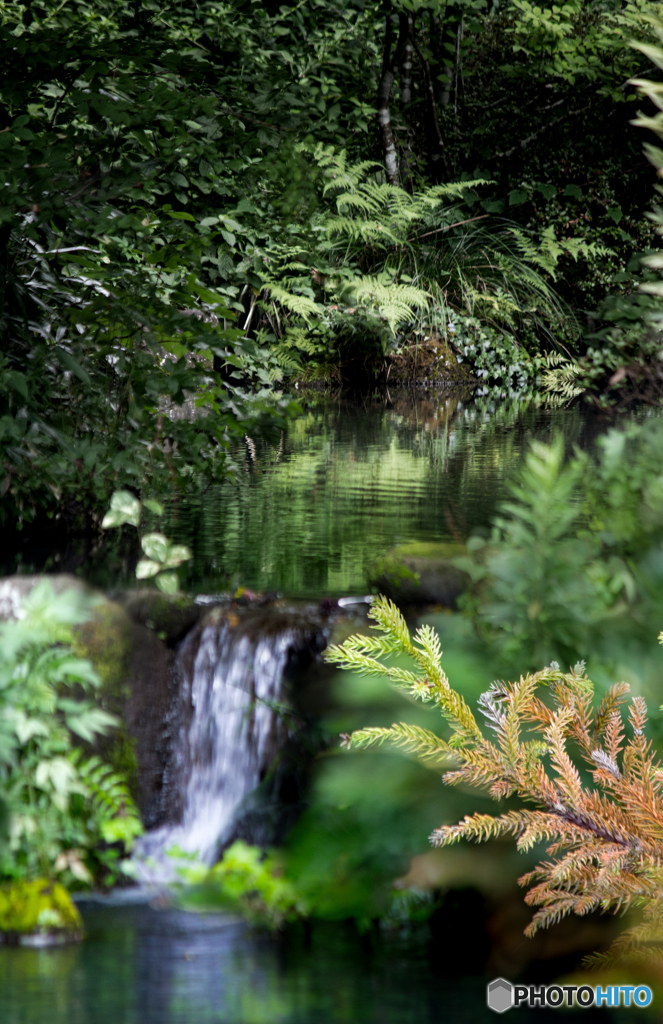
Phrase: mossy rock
[39,911]
[420,573]
[170,616]
[107,639]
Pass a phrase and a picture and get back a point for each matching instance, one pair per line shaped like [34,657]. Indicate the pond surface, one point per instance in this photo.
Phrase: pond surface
[306,516]
[308,512]
[144,966]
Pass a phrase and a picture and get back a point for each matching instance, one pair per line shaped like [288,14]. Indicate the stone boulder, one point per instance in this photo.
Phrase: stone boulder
[420,573]
[169,616]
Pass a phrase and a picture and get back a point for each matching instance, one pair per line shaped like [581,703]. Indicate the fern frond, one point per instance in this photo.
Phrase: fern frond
[298,304]
[480,828]
[111,799]
[563,377]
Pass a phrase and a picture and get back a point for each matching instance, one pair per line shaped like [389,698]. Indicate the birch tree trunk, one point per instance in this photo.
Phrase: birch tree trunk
[407,34]
[384,95]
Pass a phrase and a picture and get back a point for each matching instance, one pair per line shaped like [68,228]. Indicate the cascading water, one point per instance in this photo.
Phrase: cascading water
[232,725]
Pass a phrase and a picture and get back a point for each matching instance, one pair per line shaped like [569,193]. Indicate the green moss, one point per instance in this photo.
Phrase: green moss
[122,757]
[428,549]
[422,572]
[107,641]
[396,566]
[392,570]
[170,616]
[37,906]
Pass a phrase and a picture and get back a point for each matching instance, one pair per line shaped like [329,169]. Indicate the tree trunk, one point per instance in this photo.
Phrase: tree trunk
[406,34]
[437,155]
[384,95]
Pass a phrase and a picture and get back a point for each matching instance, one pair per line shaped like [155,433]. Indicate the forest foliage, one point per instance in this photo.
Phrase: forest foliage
[196,209]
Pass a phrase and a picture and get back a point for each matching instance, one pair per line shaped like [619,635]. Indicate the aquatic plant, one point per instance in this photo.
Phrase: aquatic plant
[597,795]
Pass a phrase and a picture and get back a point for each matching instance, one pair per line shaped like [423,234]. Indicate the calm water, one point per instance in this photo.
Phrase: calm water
[308,515]
[142,966]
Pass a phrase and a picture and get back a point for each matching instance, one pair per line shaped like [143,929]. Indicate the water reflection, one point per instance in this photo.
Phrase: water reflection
[142,966]
[307,515]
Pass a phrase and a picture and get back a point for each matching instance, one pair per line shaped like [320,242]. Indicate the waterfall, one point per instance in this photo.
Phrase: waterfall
[233,720]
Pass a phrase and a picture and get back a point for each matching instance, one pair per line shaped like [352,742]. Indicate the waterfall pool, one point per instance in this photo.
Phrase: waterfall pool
[309,510]
[144,966]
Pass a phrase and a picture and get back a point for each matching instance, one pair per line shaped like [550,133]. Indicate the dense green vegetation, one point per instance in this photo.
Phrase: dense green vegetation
[66,815]
[208,200]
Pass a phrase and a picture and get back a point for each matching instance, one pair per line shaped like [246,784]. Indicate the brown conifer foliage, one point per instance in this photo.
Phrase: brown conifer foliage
[590,783]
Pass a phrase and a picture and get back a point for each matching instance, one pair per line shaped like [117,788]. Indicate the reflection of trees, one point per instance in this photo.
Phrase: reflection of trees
[307,514]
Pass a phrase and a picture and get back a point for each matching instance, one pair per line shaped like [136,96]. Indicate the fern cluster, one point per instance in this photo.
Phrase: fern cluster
[593,782]
[70,815]
[376,261]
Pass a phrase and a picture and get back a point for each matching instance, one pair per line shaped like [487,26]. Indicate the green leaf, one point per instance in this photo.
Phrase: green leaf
[177,554]
[91,723]
[121,830]
[168,582]
[155,546]
[58,773]
[70,364]
[114,518]
[181,215]
[547,191]
[124,508]
[574,191]
[147,568]
[153,506]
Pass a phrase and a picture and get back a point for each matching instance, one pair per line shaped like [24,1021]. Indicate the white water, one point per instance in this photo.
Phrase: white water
[235,730]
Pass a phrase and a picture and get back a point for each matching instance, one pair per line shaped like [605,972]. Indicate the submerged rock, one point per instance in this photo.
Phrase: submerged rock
[38,913]
[420,573]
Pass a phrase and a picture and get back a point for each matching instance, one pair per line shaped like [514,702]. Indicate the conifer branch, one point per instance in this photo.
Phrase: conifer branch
[604,840]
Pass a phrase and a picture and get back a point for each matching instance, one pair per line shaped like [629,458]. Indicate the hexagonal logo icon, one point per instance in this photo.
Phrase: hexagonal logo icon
[500,995]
